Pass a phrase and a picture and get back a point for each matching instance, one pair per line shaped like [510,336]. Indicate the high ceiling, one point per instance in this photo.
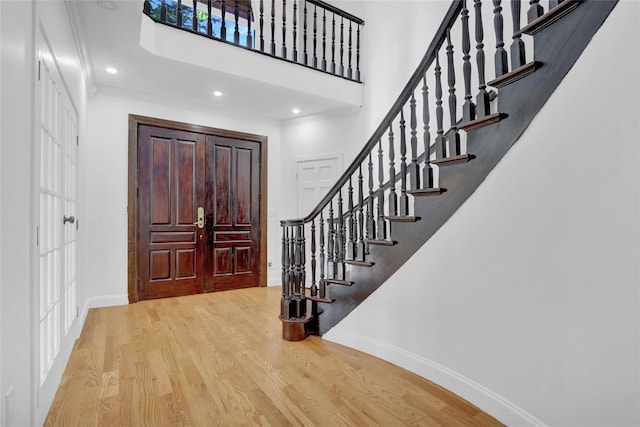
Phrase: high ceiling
[111,33]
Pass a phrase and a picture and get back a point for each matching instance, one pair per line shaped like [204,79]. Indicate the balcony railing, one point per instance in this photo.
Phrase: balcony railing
[311,33]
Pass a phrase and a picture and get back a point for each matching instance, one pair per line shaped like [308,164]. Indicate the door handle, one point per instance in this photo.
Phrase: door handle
[200,222]
[66,219]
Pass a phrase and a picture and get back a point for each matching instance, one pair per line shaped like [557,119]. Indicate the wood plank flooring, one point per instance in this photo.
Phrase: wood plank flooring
[218,359]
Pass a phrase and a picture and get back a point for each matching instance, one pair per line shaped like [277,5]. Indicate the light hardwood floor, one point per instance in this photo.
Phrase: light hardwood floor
[218,359]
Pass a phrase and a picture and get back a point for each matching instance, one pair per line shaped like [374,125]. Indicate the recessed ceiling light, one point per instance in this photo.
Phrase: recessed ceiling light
[217,93]
[296,111]
[112,70]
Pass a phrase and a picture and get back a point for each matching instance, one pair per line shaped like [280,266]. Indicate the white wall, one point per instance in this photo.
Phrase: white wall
[526,302]
[106,181]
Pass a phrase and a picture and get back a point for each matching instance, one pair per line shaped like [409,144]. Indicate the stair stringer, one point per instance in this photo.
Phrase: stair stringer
[557,48]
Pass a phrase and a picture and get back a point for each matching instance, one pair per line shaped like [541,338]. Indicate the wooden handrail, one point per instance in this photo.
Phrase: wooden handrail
[337,11]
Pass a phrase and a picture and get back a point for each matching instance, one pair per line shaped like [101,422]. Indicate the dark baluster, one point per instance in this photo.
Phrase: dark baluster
[349,69]
[331,236]
[333,44]
[314,287]
[179,15]
[315,36]
[360,247]
[286,291]
[371,222]
[501,55]
[427,173]
[535,11]
[261,25]
[341,69]
[292,261]
[358,54]
[147,8]
[454,137]
[414,168]
[194,19]
[295,31]
[393,198]
[273,27]
[517,47]
[483,107]
[163,11]
[351,244]
[209,19]
[382,225]
[322,263]
[249,34]
[404,200]
[301,259]
[305,58]
[284,29]
[236,30]
[324,40]
[340,240]
[441,146]
[223,28]
[468,109]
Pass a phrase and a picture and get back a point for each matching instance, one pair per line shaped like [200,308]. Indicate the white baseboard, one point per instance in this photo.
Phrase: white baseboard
[485,399]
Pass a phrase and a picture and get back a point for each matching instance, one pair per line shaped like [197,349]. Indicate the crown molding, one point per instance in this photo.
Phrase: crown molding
[78,36]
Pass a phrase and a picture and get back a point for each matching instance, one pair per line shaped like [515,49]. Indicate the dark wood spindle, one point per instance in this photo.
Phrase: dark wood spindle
[349,69]
[249,34]
[468,109]
[341,69]
[273,27]
[163,11]
[331,241]
[427,172]
[321,257]
[358,54]
[454,137]
[223,28]
[300,260]
[502,66]
[315,37]
[236,29]
[283,53]
[351,218]
[179,14]
[535,11]
[360,247]
[314,287]
[340,240]
[382,225]
[295,31]
[404,200]
[414,167]
[333,44]
[441,145]
[324,40]
[261,25]
[286,291]
[305,58]
[483,107]
[517,46]
[393,198]
[194,18]
[209,19]
[371,222]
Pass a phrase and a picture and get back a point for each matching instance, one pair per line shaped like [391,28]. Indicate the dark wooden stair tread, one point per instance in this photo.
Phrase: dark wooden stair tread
[339,282]
[481,122]
[550,17]
[360,263]
[515,75]
[402,218]
[463,158]
[381,242]
[427,192]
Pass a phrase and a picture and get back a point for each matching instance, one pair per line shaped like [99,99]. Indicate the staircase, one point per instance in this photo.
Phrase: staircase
[438,142]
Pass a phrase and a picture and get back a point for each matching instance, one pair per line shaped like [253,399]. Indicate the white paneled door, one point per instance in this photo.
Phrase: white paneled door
[57,222]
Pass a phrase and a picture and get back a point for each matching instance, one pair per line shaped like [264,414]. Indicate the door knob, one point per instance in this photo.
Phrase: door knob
[66,219]
[200,222]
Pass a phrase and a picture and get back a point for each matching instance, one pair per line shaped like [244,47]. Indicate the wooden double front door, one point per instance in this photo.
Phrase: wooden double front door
[198,212]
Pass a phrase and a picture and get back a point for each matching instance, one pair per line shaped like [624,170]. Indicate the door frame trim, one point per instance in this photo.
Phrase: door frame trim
[132,211]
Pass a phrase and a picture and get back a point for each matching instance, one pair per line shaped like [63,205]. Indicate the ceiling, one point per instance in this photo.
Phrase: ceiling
[110,33]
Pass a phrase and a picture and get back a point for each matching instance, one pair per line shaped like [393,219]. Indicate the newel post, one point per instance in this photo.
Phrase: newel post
[293,306]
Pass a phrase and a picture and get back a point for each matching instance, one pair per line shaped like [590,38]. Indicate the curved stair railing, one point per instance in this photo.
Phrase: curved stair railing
[421,148]
[310,33]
